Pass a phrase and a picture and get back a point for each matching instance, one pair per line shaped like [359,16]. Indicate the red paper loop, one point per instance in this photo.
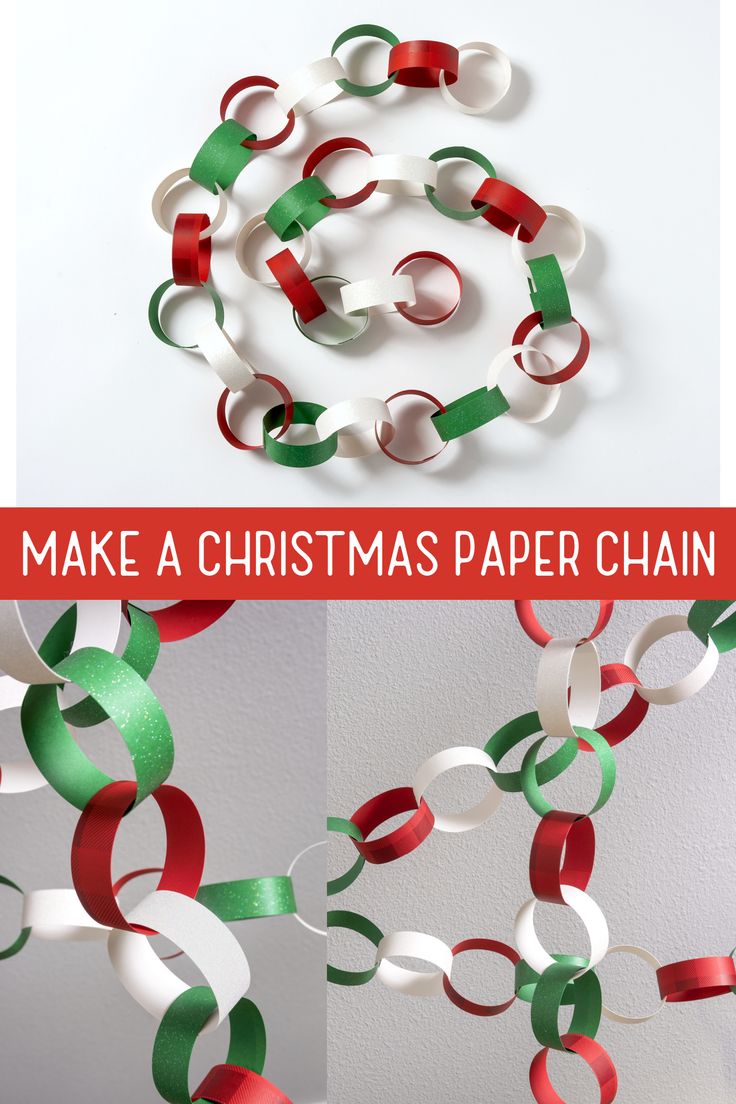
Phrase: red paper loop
[633,713]
[536,632]
[190,254]
[380,433]
[468,1005]
[441,259]
[402,840]
[286,400]
[227,1084]
[296,286]
[509,208]
[592,1053]
[419,64]
[257,82]
[525,328]
[696,978]
[94,840]
[563,853]
[183,619]
[334,145]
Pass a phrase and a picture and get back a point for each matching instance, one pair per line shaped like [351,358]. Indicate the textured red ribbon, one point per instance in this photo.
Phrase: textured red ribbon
[190,254]
[335,145]
[592,1053]
[523,330]
[509,207]
[536,632]
[419,64]
[468,1005]
[296,285]
[696,978]
[224,427]
[183,619]
[402,840]
[563,853]
[257,82]
[226,1084]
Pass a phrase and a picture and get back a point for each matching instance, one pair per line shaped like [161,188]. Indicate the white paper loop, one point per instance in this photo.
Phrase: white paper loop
[157,204]
[544,396]
[58,914]
[380,295]
[410,944]
[448,760]
[310,87]
[290,871]
[521,257]
[568,664]
[222,356]
[685,687]
[401,174]
[532,951]
[249,228]
[352,413]
[503,85]
[208,942]
[650,960]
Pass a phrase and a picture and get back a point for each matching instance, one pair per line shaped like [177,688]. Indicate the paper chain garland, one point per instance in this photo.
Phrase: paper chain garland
[570,682]
[360,426]
[78,650]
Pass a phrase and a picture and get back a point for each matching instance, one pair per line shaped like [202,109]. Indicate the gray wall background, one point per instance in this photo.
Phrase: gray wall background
[246,701]
[406,680]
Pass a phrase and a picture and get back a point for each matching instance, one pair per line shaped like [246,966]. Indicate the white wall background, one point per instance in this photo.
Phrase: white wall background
[246,703]
[613,113]
[406,680]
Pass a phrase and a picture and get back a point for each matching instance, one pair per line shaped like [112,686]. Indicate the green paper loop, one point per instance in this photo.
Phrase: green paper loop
[365,30]
[131,705]
[299,204]
[222,158]
[361,316]
[353,921]
[606,759]
[526,979]
[548,994]
[249,898]
[293,455]
[702,621]
[20,942]
[178,1032]
[153,312]
[469,412]
[347,828]
[513,733]
[463,153]
[548,291]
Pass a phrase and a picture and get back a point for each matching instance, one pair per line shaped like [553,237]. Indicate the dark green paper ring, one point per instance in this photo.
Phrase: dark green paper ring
[131,705]
[178,1032]
[511,734]
[463,153]
[548,291]
[19,943]
[469,412]
[347,828]
[526,979]
[155,322]
[548,996]
[702,621]
[248,898]
[365,30]
[293,455]
[353,921]
[606,759]
[299,206]
[222,158]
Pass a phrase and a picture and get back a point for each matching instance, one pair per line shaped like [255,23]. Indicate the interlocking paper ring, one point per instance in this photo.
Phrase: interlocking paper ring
[429,255]
[547,397]
[401,174]
[191,254]
[245,233]
[549,994]
[568,686]
[510,735]
[163,190]
[536,632]
[343,340]
[401,840]
[703,621]
[57,915]
[381,435]
[335,145]
[461,153]
[532,951]
[290,871]
[228,1083]
[257,82]
[224,426]
[365,30]
[505,83]
[466,1005]
[449,759]
[571,369]
[697,978]
[650,960]
[351,413]
[20,941]
[154,320]
[353,921]
[562,853]
[685,687]
[592,1054]
[565,216]
[310,87]
[633,713]
[509,209]
[411,944]
[345,828]
[296,286]
[606,761]
[420,64]
[94,839]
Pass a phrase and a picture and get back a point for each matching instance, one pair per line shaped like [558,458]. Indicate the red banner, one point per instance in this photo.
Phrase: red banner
[368,553]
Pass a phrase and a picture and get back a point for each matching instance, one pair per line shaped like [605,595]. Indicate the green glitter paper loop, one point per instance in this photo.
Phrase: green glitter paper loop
[512,734]
[548,996]
[462,153]
[19,943]
[299,206]
[526,979]
[365,30]
[297,455]
[222,157]
[353,921]
[469,412]
[606,759]
[346,828]
[249,898]
[153,312]
[548,291]
[702,621]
